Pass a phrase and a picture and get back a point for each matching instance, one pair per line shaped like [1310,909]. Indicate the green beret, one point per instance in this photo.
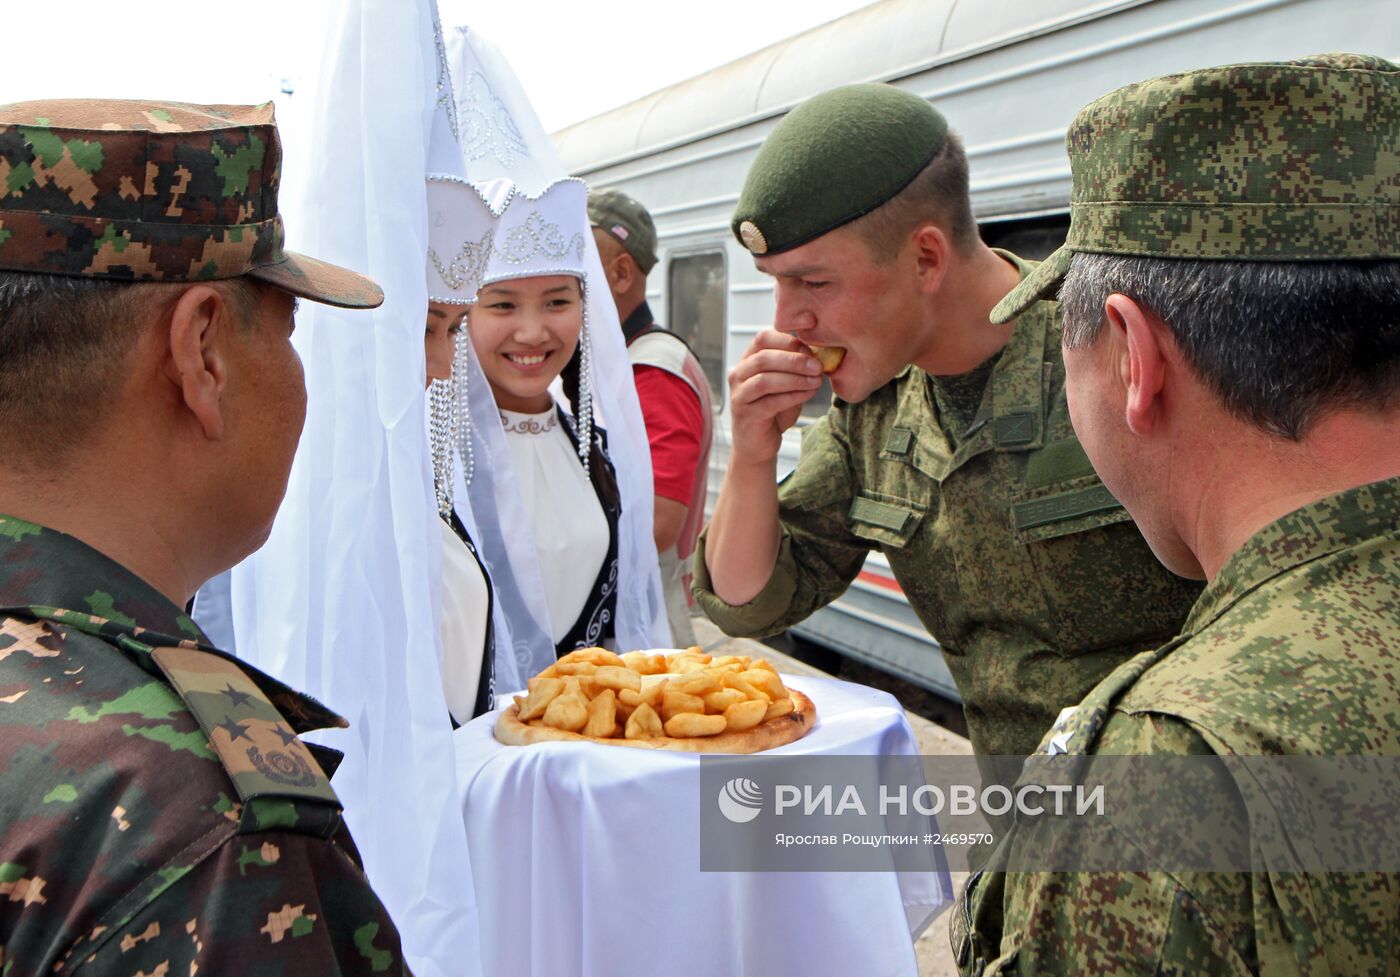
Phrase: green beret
[832,159]
[1288,161]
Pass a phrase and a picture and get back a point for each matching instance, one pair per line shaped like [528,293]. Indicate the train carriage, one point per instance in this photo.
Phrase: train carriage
[1009,75]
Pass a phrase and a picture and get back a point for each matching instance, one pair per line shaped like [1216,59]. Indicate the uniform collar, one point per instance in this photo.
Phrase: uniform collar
[52,576]
[1315,531]
[1012,415]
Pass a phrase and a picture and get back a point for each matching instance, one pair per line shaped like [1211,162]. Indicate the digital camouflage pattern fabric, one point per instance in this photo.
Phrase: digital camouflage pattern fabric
[1292,650]
[1032,578]
[153,191]
[158,814]
[1288,161]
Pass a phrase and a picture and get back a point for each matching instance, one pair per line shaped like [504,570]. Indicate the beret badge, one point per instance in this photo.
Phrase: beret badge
[753,238]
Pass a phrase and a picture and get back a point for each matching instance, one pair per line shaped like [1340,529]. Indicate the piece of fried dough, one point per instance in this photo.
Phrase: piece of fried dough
[618,677]
[568,711]
[686,724]
[830,357]
[674,703]
[644,664]
[717,702]
[643,723]
[745,715]
[602,714]
[649,694]
[697,683]
[782,707]
[540,692]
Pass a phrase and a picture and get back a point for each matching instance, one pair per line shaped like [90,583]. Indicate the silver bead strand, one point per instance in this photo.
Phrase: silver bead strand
[584,407]
[461,405]
[440,443]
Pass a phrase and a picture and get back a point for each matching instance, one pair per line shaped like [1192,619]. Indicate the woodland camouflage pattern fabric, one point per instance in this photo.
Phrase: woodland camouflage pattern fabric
[1287,161]
[158,814]
[1292,649]
[153,191]
[1032,578]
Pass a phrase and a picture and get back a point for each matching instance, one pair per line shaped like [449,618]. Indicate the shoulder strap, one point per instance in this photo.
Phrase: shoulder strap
[1077,728]
[277,779]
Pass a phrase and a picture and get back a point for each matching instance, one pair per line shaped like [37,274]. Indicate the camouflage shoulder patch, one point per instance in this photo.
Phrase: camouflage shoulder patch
[264,758]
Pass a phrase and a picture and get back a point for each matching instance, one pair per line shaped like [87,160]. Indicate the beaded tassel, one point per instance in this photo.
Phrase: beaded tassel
[449,427]
[440,442]
[461,405]
[584,407]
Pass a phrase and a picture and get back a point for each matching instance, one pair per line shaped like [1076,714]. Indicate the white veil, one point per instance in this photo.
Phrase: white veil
[342,601]
[501,137]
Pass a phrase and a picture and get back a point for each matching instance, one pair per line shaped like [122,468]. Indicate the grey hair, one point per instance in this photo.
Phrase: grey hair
[1279,342]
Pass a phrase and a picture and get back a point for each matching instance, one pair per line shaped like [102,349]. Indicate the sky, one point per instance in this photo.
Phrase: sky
[575,60]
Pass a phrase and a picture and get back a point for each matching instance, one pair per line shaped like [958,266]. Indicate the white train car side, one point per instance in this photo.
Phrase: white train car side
[1008,74]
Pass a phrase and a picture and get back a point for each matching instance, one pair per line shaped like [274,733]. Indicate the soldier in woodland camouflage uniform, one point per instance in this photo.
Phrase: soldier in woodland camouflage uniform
[950,449]
[158,813]
[1231,286]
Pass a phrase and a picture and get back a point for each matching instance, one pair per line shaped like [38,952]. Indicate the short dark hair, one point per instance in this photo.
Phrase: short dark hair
[939,192]
[1279,342]
[64,343]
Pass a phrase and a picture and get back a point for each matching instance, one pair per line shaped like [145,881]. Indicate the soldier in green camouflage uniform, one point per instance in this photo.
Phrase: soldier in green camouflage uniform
[949,449]
[1231,285]
[158,813]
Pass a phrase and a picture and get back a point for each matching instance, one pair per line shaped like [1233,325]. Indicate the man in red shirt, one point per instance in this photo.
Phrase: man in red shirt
[674,395]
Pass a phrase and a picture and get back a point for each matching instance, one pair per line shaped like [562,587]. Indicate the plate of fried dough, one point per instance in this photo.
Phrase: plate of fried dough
[682,700]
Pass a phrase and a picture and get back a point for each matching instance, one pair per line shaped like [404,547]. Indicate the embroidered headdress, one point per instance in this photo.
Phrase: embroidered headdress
[492,231]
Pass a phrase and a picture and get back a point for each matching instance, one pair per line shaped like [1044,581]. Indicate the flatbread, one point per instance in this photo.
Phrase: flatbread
[777,731]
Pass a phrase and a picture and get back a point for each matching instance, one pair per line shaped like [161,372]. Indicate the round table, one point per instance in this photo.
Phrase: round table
[585,861]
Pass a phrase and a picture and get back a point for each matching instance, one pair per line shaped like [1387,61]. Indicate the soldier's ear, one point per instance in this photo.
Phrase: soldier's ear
[1141,360]
[201,323]
[931,250]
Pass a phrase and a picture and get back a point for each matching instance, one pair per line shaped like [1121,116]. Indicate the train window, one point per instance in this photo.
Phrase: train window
[696,291]
[1033,239]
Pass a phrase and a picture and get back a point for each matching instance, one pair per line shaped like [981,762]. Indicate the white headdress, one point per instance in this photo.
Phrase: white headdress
[343,600]
[502,140]
[482,233]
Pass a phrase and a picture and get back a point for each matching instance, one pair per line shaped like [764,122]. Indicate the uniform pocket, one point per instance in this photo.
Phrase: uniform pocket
[1104,587]
[885,520]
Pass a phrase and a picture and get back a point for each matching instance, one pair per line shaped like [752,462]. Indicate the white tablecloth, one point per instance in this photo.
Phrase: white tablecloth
[585,861]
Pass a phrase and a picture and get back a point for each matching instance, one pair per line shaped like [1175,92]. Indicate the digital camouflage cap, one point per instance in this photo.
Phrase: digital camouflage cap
[1287,161]
[153,191]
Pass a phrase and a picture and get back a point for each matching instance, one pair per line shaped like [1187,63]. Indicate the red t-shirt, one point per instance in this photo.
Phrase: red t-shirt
[672,414]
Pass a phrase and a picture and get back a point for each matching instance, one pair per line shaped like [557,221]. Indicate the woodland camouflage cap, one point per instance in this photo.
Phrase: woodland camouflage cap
[153,191]
[1289,161]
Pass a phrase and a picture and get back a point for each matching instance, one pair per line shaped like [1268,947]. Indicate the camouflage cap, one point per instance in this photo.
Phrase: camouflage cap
[1286,161]
[628,221]
[153,191]
[834,158]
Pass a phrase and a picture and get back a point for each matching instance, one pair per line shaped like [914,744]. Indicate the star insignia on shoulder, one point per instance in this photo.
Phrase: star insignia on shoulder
[285,734]
[1059,743]
[234,695]
[234,730]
